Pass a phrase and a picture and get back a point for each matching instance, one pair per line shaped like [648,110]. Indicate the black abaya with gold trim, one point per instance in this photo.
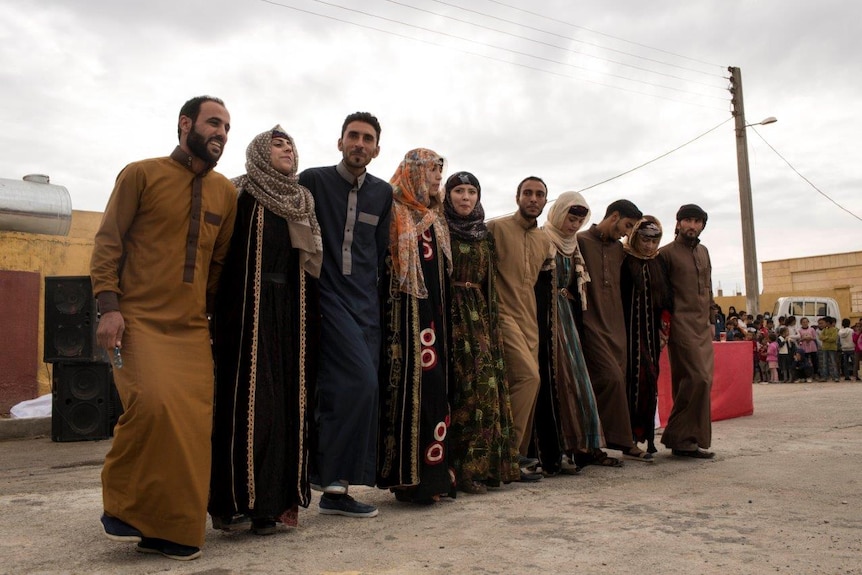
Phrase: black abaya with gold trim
[266,324]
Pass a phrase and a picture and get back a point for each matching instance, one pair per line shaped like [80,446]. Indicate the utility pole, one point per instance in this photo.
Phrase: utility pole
[749,249]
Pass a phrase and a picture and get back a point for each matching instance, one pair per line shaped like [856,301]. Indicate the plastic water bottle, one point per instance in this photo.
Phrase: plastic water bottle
[117,360]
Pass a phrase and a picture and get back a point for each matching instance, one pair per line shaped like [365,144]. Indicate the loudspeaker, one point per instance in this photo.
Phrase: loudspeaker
[70,320]
[85,403]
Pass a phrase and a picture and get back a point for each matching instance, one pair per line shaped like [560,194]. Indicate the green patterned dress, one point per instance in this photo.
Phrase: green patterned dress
[482,437]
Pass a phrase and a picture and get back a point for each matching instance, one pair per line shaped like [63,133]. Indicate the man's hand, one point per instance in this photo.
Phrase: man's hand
[109,334]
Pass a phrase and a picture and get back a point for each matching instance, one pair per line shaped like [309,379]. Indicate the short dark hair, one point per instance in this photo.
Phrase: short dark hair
[528,179]
[625,208]
[845,322]
[192,108]
[366,117]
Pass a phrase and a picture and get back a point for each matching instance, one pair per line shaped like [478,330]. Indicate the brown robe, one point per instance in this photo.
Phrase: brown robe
[158,254]
[690,344]
[603,337]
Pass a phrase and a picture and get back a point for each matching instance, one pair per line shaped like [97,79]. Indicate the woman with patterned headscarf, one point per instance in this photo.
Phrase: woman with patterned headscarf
[264,333]
[567,419]
[413,454]
[482,437]
[646,302]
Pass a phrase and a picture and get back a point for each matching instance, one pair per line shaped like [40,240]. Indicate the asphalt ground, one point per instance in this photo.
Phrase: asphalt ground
[781,496]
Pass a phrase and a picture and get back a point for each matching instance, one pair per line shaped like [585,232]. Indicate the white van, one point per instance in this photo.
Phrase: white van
[812,307]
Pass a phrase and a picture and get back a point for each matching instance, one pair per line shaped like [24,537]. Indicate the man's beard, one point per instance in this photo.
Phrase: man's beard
[198,147]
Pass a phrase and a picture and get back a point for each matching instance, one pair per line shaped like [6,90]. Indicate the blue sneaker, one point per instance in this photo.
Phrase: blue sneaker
[347,506]
[169,549]
[118,530]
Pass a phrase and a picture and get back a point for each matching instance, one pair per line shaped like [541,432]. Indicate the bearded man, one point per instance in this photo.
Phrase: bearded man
[688,432]
[156,262]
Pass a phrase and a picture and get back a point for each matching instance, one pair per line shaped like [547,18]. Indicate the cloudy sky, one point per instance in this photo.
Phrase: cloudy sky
[576,92]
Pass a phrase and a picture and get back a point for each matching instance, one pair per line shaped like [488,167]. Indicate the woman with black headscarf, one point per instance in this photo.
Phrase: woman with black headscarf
[482,439]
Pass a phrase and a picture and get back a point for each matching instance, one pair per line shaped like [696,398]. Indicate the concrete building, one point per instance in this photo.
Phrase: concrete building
[838,276]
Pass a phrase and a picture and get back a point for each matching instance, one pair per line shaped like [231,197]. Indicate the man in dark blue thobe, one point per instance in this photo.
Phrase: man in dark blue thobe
[353,208]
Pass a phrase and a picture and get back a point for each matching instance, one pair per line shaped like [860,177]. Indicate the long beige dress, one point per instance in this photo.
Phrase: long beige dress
[522,249]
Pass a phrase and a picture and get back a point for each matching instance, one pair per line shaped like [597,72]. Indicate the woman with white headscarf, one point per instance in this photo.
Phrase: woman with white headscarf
[567,419]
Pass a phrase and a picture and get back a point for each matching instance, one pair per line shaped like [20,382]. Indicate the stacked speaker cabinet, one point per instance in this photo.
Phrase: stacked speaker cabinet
[85,405]
[70,320]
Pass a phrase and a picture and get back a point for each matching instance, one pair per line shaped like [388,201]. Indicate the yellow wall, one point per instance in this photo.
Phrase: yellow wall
[50,256]
[832,275]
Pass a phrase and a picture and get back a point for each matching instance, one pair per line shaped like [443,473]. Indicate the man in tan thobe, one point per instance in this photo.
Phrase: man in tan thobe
[522,250]
[155,266]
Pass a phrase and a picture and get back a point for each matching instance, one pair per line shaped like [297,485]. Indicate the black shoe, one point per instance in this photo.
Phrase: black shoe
[527,462]
[530,477]
[345,505]
[117,530]
[169,549]
[694,453]
[263,525]
[231,522]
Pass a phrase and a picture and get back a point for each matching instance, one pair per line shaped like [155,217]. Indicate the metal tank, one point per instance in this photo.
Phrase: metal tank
[35,206]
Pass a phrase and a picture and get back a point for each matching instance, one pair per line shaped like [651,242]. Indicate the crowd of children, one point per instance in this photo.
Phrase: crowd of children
[785,352]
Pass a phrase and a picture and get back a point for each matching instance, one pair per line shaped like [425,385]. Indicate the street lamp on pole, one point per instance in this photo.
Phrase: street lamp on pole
[749,249]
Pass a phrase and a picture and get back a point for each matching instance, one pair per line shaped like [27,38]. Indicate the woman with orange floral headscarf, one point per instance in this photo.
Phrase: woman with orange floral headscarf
[413,455]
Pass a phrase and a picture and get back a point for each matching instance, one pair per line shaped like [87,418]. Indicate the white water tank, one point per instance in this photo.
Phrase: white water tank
[35,206]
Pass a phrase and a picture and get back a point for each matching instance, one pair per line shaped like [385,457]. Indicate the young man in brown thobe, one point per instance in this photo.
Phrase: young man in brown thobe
[604,328]
[155,266]
[688,432]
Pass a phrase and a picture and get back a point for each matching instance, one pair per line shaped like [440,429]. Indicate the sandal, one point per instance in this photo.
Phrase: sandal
[595,457]
[634,453]
[608,461]
[637,454]
[405,495]
[473,487]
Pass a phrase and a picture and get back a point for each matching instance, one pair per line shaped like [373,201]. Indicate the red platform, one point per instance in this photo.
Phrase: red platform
[731,382]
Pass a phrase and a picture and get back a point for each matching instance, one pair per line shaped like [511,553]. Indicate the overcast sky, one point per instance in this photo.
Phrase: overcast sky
[574,92]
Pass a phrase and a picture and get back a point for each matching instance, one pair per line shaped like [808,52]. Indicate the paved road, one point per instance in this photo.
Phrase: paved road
[782,496]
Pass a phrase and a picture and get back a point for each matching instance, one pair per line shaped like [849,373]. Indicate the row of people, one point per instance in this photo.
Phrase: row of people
[374,333]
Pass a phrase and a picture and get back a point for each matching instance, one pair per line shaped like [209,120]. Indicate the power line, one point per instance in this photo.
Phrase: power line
[504,49]
[584,54]
[798,173]
[638,167]
[604,34]
[570,38]
[657,157]
[485,56]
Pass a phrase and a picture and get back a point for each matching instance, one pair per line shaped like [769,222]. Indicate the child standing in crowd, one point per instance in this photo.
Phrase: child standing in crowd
[785,355]
[772,358]
[847,347]
[829,344]
[761,358]
[802,368]
[857,340]
[808,344]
